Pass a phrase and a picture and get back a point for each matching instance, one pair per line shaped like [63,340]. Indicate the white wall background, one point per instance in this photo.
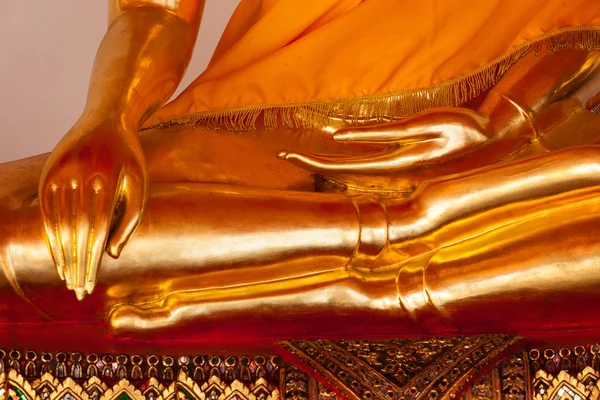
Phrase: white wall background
[46,52]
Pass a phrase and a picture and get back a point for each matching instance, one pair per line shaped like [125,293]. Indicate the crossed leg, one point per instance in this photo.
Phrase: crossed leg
[486,250]
[212,254]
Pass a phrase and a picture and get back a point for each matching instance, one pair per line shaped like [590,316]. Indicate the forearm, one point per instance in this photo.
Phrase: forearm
[140,63]
[527,97]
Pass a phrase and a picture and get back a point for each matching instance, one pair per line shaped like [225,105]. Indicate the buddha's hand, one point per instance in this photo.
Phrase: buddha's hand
[427,138]
[92,194]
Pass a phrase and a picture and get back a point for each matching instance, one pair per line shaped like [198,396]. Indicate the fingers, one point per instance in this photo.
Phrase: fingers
[78,231]
[400,132]
[82,234]
[51,214]
[76,219]
[411,141]
[387,160]
[68,231]
[132,195]
[59,211]
[98,226]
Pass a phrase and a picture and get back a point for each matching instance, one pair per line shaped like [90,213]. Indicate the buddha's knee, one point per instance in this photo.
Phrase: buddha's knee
[26,269]
[15,307]
[8,282]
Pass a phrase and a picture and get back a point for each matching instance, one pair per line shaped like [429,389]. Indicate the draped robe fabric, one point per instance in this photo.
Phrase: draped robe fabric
[303,62]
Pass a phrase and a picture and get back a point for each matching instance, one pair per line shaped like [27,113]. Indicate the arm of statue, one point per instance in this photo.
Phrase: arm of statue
[536,94]
[93,186]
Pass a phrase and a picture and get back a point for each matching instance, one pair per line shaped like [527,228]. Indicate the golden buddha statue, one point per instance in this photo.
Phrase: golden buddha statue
[387,216]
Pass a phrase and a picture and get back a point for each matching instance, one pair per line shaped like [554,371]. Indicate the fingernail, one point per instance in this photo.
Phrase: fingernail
[282,155]
[80,293]
[115,250]
[89,287]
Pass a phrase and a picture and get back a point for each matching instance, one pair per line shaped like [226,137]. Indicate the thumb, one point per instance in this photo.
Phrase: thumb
[132,199]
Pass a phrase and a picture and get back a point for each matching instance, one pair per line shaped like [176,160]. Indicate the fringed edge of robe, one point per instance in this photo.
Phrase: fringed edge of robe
[387,106]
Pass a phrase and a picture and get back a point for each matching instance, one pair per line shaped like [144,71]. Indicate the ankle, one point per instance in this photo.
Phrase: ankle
[373,232]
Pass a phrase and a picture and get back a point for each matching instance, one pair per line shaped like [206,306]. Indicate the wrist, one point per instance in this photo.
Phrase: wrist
[507,117]
[89,122]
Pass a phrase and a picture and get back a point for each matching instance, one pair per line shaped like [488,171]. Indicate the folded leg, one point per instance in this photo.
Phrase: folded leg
[482,212]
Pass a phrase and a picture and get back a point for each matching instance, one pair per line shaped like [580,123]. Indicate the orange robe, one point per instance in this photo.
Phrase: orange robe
[301,62]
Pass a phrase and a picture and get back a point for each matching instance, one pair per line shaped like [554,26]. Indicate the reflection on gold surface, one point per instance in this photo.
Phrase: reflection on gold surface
[431,224]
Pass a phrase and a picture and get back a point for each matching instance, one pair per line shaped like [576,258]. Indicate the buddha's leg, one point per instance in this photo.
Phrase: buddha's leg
[220,254]
[534,276]
[524,191]
[227,238]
